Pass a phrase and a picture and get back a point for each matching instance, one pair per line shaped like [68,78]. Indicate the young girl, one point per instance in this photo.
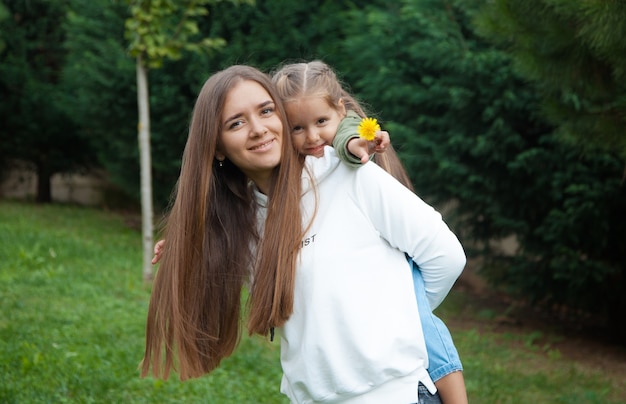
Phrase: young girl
[320,112]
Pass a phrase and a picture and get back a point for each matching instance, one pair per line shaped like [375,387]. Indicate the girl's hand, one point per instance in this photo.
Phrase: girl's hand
[362,149]
[158,250]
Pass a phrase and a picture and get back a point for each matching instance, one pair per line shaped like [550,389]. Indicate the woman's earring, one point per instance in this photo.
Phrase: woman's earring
[220,163]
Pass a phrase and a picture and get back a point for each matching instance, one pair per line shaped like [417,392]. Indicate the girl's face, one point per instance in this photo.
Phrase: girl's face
[313,124]
[251,136]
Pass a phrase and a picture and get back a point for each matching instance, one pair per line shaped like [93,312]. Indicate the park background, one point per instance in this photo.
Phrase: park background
[509,116]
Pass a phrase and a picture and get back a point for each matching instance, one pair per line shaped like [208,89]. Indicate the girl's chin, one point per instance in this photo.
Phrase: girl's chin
[316,152]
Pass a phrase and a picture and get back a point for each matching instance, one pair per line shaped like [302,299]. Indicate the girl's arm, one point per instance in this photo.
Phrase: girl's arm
[353,150]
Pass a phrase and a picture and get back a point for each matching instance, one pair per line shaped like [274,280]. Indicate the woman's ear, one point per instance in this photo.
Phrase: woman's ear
[219,155]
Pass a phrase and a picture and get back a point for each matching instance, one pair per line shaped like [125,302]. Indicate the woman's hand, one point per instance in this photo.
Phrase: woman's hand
[362,149]
[158,250]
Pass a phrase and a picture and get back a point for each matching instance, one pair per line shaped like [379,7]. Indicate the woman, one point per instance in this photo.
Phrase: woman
[194,311]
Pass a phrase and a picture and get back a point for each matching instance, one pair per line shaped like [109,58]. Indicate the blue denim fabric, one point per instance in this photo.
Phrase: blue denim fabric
[424,396]
[443,357]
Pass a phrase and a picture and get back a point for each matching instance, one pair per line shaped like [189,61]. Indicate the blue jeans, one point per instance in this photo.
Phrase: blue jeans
[424,396]
[443,357]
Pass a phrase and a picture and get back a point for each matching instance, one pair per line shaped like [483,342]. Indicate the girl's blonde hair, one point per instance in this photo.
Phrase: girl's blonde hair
[316,79]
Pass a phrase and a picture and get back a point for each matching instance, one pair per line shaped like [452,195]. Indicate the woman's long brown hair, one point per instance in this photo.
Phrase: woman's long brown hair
[194,315]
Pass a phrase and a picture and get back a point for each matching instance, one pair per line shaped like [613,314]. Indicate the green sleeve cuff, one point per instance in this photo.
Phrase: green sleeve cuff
[346,131]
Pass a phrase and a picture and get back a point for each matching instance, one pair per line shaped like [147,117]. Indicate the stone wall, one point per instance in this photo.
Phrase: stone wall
[89,189]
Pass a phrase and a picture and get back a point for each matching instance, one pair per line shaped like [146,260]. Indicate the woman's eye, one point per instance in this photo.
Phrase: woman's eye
[267,111]
[234,125]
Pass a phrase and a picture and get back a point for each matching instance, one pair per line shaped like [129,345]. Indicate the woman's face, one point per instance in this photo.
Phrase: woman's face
[251,136]
[313,124]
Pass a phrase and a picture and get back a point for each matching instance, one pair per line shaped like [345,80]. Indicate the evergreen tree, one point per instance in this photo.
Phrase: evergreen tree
[472,131]
[36,117]
[575,53]
[100,79]
[100,75]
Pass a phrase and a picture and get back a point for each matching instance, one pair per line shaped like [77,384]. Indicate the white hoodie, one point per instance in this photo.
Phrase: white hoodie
[355,335]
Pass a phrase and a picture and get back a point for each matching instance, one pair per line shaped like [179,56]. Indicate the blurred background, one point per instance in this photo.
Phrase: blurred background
[510,116]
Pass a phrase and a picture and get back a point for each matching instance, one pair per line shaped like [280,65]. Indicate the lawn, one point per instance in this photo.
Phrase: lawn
[73,308]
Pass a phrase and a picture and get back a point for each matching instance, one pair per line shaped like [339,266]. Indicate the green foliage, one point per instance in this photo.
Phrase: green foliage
[100,78]
[574,51]
[73,309]
[35,111]
[163,29]
[4,15]
[251,32]
[469,130]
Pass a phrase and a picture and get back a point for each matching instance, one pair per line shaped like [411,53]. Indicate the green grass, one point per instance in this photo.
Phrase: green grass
[73,307]
[72,314]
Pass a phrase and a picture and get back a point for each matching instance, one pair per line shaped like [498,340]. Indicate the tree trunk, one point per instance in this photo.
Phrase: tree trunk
[44,189]
[143,104]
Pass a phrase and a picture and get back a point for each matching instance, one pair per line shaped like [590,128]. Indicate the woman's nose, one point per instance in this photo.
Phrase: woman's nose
[257,127]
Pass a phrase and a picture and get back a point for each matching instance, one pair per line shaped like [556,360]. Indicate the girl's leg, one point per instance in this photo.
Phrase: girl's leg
[451,388]
[444,364]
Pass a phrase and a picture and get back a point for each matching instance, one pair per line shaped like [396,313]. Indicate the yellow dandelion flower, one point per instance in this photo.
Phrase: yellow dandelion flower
[367,128]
